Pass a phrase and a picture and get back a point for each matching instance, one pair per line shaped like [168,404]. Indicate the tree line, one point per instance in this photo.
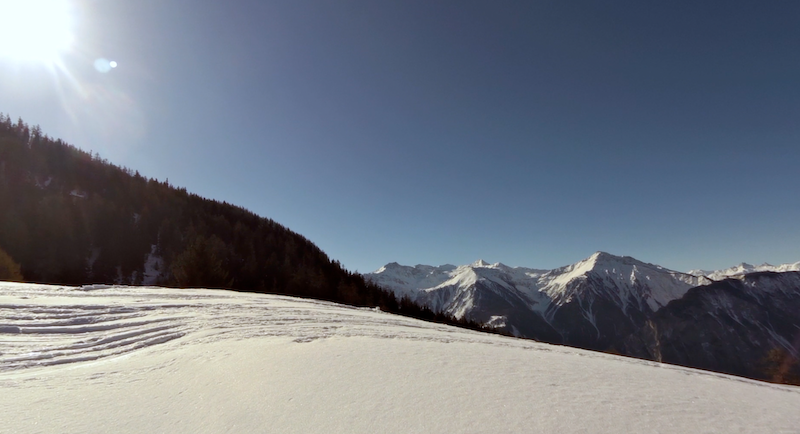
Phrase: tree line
[70,217]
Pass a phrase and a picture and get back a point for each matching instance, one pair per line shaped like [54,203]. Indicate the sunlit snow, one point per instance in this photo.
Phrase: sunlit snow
[132,360]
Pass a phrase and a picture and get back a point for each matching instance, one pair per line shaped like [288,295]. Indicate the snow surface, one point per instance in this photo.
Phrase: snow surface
[45,184]
[129,360]
[153,265]
[79,194]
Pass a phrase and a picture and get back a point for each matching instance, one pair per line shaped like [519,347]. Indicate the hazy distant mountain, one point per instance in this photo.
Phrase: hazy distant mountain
[745,268]
[613,303]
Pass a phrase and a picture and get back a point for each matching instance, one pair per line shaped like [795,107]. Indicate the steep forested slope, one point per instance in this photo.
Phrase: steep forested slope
[69,217]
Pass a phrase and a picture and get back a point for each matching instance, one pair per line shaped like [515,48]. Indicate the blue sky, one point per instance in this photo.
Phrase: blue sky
[529,133]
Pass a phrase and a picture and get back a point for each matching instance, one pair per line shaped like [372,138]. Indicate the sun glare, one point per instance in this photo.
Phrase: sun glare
[35,30]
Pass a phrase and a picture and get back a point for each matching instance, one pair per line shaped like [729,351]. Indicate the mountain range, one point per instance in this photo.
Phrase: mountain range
[734,320]
[69,217]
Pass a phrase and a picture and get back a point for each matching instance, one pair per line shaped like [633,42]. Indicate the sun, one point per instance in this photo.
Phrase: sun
[36,31]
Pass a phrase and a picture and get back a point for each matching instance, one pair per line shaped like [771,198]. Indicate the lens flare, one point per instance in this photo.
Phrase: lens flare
[102,65]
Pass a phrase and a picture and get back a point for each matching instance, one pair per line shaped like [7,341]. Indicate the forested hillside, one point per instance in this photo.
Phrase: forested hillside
[69,217]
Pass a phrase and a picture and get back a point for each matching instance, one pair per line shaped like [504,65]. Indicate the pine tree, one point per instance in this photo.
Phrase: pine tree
[202,264]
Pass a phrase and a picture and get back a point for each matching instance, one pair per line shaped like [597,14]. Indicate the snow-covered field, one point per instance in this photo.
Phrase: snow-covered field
[155,360]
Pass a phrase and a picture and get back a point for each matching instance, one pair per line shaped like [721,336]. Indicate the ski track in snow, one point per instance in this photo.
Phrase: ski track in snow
[65,325]
[146,359]
[43,326]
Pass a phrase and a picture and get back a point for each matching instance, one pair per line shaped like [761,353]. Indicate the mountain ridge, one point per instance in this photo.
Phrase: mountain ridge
[554,283]
[619,304]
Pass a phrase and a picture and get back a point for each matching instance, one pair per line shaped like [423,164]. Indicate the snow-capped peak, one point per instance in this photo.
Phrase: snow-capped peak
[626,281]
[389,266]
[480,263]
[623,279]
[603,256]
[745,268]
[604,260]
